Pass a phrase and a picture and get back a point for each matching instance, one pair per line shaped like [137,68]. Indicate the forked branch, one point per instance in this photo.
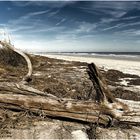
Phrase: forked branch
[103,94]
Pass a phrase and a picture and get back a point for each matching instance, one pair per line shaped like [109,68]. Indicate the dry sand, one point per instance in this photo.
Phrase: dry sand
[126,66]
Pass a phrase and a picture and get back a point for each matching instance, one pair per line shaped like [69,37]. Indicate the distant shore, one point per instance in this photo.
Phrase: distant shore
[126,66]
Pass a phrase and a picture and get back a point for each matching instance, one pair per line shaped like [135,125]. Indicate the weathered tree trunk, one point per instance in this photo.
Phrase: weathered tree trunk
[21,97]
[26,98]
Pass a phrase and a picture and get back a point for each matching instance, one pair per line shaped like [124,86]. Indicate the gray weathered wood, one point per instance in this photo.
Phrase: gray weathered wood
[22,97]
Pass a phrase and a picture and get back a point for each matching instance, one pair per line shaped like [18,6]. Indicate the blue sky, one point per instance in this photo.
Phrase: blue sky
[72,25]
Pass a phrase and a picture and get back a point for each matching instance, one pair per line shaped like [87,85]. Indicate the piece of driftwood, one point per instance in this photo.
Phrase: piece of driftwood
[38,102]
[18,96]
[22,97]
[103,95]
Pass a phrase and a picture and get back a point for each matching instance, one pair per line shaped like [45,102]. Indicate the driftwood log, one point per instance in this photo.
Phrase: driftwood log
[18,96]
[22,97]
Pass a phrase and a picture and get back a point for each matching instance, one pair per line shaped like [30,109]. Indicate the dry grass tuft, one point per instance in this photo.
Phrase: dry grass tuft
[9,57]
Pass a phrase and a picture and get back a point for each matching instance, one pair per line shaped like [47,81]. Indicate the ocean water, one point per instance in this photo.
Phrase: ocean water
[134,56]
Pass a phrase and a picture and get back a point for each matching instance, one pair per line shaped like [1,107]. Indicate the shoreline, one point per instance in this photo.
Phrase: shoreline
[103,56]
[125,66]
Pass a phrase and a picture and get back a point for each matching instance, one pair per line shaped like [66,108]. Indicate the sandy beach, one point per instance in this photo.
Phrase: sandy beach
[125,66]
[65,80]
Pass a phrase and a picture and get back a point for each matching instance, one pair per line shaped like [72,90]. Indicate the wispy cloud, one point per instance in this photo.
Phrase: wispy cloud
[133,33]
[86,27]
[27,17]
[53,13]
[61,21]
[107,20]
[38,13]
[28,23]
[21,3]
[112,27]
[50,4]
[130,18]
[72,23]
[115,5]
[114,9]
[20,28]
[131,24]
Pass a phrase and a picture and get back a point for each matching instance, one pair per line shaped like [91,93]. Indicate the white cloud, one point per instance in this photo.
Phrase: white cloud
[50,34]
[86,27]
[20,28]
[131,33]
[45,45]
[130,18]
[116,5]
[27,18]
[107,20]
[53,13]
[137,32]
[47,3]
[21,3]
[27,23]
[37,13]
[53,3]
[118,14]
[112,27]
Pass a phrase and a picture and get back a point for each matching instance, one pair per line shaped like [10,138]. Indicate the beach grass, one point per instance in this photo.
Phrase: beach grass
[9,57]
